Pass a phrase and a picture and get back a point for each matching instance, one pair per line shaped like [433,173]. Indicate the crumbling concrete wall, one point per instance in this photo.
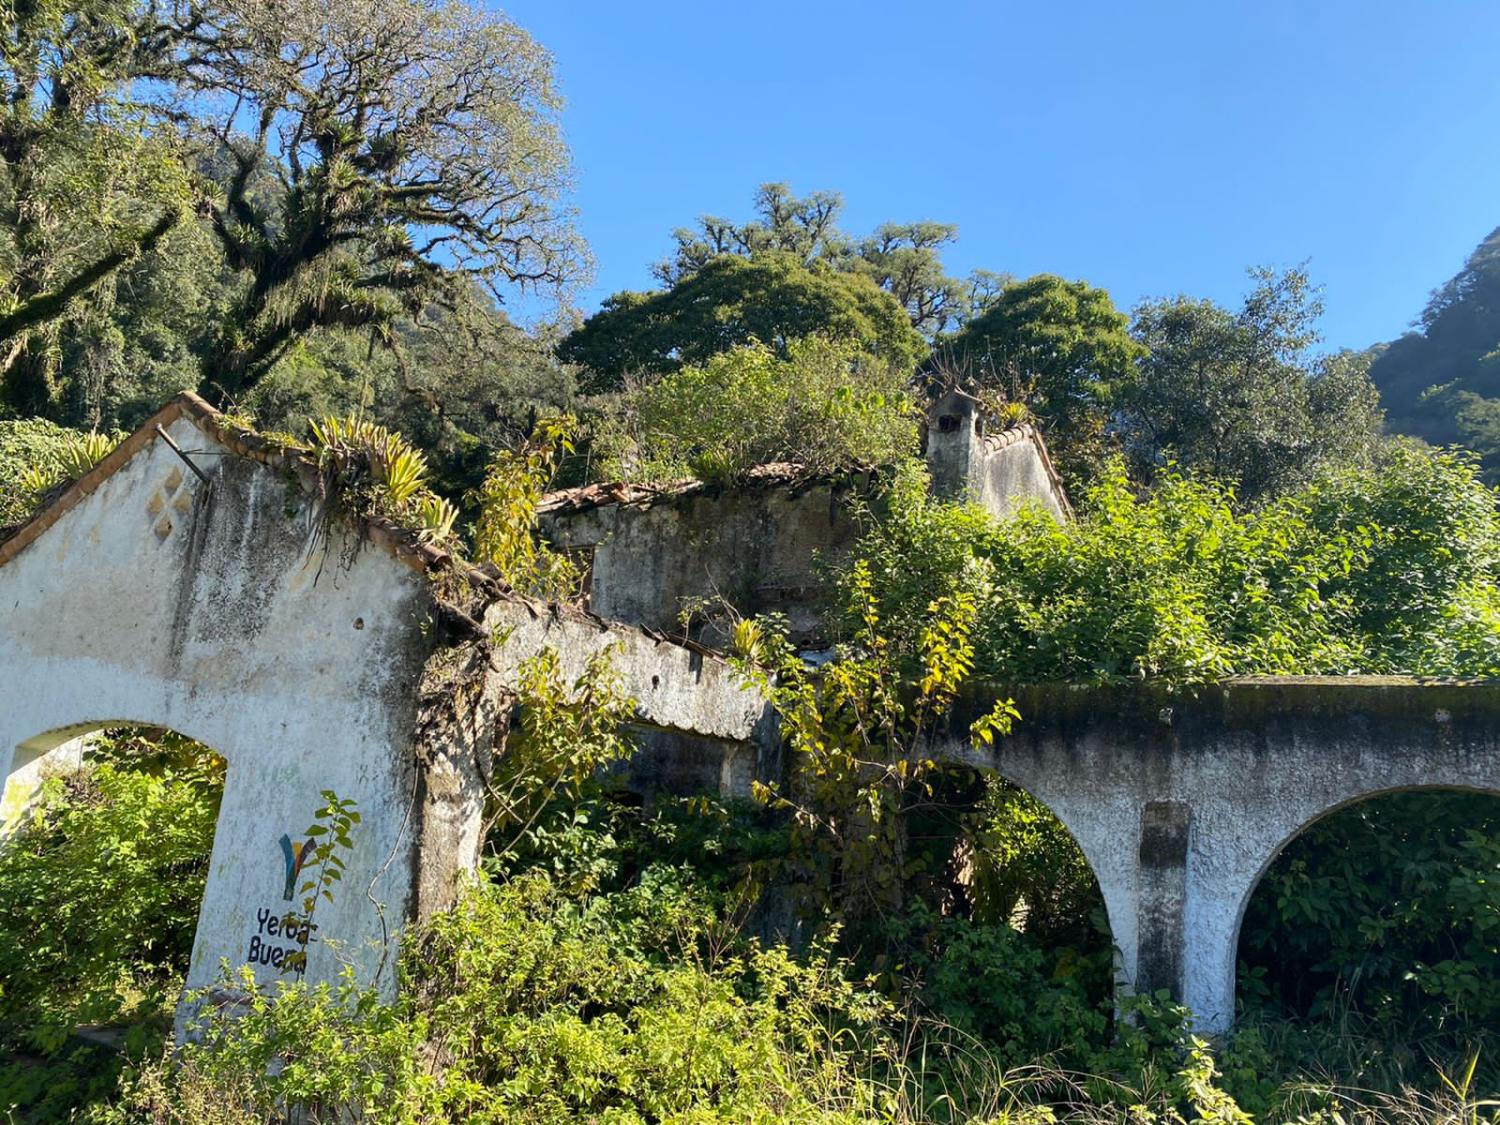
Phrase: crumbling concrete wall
[220,610]
[759,546]
[313,657]
[998,470]
[1180,800]
[700,726]
[655,552]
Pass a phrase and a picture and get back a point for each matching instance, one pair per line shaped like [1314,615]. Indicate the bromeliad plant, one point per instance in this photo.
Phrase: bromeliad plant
[858,729]
[377,473]
[66,462]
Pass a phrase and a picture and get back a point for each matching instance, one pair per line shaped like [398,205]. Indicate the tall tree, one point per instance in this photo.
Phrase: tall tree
[905,259]
[1061,348]
[417,147]
[88,179]
[773,298]
[1240,396]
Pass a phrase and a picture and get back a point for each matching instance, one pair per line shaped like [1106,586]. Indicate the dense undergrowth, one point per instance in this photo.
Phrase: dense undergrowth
[606,971]
[949,957]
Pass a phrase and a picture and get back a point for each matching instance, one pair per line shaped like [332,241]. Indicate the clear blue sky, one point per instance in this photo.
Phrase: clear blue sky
[1149,147]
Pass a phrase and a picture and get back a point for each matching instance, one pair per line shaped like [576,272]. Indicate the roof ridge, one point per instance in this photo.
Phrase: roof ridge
[768,475]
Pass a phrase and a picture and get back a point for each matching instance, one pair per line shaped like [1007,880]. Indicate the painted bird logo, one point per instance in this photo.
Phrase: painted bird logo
[296,856]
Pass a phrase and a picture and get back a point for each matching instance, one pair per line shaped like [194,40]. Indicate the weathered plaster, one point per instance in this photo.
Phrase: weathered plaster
[293,657]
[764,544]
[1180,800]
[997,469]
[758,546]
[313,657]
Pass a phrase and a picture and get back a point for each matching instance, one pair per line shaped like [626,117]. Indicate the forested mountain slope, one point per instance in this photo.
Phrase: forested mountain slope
[1441,381]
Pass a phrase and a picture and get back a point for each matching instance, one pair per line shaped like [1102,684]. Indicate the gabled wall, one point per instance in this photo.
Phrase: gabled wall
[999,471]
[312,657]
[222,611]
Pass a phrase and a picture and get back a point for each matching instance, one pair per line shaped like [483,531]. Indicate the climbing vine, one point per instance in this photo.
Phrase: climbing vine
[859,730]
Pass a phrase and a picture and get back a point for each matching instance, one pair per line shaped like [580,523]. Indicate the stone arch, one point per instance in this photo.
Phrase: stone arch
[1348,802]
[1333,810]
[1096,838]
[62,750]
[1225,870]
[244,902]
[1091,852]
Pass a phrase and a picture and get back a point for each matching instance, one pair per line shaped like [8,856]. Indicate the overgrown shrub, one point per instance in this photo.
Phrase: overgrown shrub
[524,1004]
[36,455]
[823,404]
[99,895]
[1388,910]
[1389,570]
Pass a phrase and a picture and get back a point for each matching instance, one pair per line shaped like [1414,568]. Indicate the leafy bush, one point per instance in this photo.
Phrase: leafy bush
[505,533]
[120,856]
[1388,570]
[99,895]
[822,404]
[1390,909]
[525,1005]
[36,455]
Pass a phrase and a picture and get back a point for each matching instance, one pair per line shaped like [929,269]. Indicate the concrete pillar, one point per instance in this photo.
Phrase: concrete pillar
[1161,902]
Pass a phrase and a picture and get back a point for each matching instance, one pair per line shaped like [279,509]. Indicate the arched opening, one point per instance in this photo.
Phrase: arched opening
[1378,924]
[1019,948]
[103,865]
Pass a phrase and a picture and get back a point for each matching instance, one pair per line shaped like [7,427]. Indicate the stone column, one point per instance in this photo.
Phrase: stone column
[1161,904]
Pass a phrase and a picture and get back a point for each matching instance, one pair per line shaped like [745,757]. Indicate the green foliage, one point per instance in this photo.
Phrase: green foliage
[68,461]
[505,534]
[36,456]
[1430,378]
[565,734]
[1061,348]
[824,405]
[332,840]
[374,472]
[1028,871]
[855,728]
[1006,990]
[99,896]
[522,1004]
[420,155]
[904,259]
[1390,909]
[1388,569]
[89,177]
[26,448]
[773,297]
[1237,395]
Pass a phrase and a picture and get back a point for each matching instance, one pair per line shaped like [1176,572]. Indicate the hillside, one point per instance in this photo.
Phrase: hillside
[1441,381]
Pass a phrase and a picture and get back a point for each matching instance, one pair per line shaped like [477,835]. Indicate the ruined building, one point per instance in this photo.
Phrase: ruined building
[655,553]
[197,579]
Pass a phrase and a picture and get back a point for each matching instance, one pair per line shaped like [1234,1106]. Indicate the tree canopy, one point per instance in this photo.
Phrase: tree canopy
[415,143]
[1441,381]
[89,177]
[1061,348]
[772,297]
[1239,396]
[903,258]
